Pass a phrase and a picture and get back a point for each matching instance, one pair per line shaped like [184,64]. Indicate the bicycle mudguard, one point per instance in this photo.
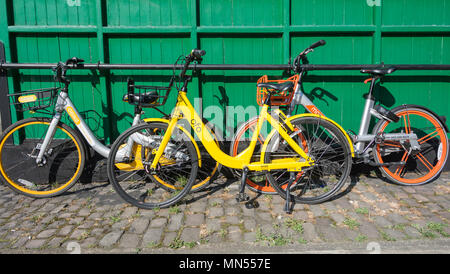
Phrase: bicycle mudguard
[266,142]
[184,130]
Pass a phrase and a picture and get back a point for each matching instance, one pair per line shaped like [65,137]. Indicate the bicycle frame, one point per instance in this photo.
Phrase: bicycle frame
[63,103]
[185,110]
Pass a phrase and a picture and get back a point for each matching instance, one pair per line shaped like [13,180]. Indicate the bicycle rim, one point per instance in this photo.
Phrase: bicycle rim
[132,178]
[421,166]
[63,160]
[329,149]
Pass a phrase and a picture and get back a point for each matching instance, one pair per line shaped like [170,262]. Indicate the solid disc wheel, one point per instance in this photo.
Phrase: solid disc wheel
[129,166]
[327,146]
[423,165]
[62,163]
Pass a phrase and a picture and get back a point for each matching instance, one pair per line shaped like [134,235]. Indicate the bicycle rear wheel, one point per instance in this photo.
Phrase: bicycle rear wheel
[421,166]
[131,176]
[62,164]
[256,180]
[330,150]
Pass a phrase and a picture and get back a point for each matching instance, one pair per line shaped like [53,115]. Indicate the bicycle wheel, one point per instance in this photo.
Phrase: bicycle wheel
[208,170]
[131,176]
[62,165]
[256,181]
[421,166]
[327,146]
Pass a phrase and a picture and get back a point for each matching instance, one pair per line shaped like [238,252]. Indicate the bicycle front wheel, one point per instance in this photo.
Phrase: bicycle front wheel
[327,146]
[129,166]
[421,166]
[62,162]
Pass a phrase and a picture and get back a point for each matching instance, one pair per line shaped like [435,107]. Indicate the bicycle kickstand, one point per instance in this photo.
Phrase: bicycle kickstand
[242,196]
[287,206]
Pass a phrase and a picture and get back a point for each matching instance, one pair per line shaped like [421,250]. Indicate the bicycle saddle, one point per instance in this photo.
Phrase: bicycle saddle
[379,71]
[280,87]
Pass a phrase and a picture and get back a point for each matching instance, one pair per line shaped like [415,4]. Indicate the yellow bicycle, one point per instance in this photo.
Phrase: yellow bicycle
[306,157]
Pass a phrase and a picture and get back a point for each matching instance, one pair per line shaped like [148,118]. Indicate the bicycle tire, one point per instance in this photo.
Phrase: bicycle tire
[143,189]
[337,163]
[431,134]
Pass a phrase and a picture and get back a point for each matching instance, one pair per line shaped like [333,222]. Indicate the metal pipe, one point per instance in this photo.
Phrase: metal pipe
[221,66]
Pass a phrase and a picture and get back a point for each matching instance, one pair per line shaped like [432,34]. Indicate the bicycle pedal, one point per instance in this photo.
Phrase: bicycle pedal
[242,197]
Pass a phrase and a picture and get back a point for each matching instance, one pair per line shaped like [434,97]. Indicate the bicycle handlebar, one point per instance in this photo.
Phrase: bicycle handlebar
[195,55]
[301,58]
[317,44]
[198,53]
[61,68]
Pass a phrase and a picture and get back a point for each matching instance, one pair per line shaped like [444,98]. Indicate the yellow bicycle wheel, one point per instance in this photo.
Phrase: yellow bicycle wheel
[61,166]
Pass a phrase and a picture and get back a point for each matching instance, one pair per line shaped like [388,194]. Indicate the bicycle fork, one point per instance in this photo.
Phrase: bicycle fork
[40,159]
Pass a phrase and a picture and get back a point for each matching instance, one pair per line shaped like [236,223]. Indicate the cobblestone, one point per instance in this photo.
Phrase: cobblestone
[152,237]
[194,220]
[110,238]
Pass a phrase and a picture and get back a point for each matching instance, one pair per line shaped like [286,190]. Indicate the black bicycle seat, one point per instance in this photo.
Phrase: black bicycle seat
[379,71]
[280,87]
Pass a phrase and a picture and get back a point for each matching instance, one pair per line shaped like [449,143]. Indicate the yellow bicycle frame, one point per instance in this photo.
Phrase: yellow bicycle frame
[185,110]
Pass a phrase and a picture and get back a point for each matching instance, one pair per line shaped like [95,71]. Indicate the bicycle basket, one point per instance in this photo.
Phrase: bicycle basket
[146,96]
[279,98]
[32,100]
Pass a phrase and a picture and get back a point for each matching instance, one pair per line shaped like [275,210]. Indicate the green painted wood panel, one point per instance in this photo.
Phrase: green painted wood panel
[428,88]
[231,90]
[416,12]
[331,12]
[232,32]
[84,89]
[54,12]
[141,50]
[241,13]
[338,94]
[149,13]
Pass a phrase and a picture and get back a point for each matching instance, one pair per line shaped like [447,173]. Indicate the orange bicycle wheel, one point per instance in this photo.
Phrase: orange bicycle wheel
[256,181]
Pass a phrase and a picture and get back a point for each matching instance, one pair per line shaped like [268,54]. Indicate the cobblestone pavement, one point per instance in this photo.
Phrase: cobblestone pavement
[94,219]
